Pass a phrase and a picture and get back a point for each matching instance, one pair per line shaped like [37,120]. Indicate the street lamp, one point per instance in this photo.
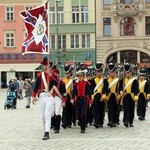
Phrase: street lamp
[57,50]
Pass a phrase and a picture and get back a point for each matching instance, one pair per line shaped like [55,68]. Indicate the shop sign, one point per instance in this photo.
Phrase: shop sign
[16,56]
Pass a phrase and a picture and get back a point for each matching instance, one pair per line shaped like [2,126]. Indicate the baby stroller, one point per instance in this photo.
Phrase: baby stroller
[10,100]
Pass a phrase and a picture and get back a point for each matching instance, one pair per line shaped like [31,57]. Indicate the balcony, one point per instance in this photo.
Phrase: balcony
[128,10]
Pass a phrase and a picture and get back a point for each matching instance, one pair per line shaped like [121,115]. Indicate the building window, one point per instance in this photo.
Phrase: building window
[60,15]
[52,15]
[85,40]
[9,13]
[127,26]
[128,56]
[84,14]
[52,42]
[147,25]
[112,58]
[74,41]
[28,8]
[147,1]
[62,41]
[106,2]
[107,26]
[144,58]
[9,39]
[75,14]
[129,1]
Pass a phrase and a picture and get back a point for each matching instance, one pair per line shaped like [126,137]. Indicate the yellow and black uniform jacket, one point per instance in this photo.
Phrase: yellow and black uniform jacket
[132,89]
[69,89]
[144,89]
[114,88]
[101,89]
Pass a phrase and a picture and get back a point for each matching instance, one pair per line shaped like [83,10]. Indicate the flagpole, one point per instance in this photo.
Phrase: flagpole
[48,25]
[57,32]
[48,32]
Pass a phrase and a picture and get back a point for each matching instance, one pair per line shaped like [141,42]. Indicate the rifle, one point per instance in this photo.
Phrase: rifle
[74,68]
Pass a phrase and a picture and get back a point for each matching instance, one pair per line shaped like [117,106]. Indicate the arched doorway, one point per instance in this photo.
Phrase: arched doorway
[112,58]
[128,56]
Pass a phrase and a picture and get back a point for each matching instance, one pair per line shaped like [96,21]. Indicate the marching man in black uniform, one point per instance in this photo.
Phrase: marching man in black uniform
[89,77]
[129,94]
[98,86]
[68,109]
[113,95]
[81,96]
[144,94]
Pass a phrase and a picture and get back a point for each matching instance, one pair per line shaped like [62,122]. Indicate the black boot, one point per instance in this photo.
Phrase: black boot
[126,124]
[57,123]
[46,136]
[82,131]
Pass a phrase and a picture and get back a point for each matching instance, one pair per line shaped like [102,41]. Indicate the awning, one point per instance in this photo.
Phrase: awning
[19,67]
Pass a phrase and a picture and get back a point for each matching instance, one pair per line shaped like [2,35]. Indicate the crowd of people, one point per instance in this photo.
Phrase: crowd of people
[84,96]
[18,86]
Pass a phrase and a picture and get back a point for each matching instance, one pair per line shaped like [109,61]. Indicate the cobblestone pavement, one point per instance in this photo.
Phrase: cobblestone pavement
[21,129]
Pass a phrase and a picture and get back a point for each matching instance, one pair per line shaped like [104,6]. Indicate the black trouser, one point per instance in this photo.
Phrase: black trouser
[57,122]
[98,110]
[129,107]
[119,107]
[74,118]
[67,112]
[81,111]
[141,109]
[89,118]
[112,109]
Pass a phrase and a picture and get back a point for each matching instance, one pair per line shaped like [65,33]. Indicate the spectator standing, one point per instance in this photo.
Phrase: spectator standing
[21,86]
[28,89]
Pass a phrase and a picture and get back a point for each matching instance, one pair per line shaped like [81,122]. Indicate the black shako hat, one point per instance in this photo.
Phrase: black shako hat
[67,68]
[89,71]
[99,66]
[142,71]
[127,68]
[51,64]
[111,67]
[44,61]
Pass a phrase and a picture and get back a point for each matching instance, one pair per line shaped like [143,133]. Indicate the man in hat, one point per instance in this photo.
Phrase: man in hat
[40,92]
[99,96]
[113,95]
[58,97]
[89,77]
[48,81]
[68,109]
[81,96]
[144,94]
[129,94]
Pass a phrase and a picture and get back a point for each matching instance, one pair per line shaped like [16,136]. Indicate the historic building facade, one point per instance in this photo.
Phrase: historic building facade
[123,31]
[72,31]
[12,35]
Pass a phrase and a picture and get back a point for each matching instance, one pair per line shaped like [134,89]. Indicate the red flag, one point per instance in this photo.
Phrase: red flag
[36,23]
